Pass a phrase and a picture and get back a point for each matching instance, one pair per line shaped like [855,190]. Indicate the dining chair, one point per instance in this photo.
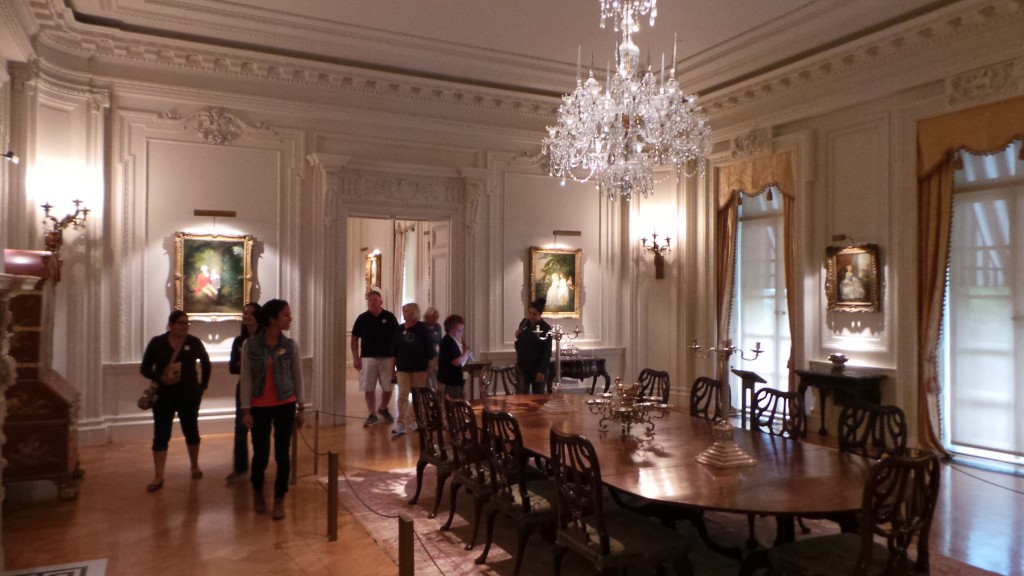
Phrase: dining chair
[506,376]
[434,449]
[471,466]
[871,430]
[654,384]
[515,492]
[705,398]
[897,508]
[778,413]
[609,537]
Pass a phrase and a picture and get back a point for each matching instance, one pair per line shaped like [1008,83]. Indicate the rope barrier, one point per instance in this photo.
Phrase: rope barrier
[980,479]
[406,565]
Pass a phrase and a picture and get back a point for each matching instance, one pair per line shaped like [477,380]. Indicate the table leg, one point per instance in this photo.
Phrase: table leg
[785,530]
[821,402]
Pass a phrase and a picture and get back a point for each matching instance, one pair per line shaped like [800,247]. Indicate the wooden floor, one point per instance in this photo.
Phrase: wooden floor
[207,527]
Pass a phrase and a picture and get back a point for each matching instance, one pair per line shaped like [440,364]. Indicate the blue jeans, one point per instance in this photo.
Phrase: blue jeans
[280,419]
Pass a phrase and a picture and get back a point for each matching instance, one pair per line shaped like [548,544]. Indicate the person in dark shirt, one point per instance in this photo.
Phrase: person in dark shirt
[413,353]
[373,335]
[170,361]
[453,356]
[533,351]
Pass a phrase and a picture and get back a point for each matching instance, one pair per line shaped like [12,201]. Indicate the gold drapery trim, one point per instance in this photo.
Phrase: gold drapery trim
[984,130]
[756,175]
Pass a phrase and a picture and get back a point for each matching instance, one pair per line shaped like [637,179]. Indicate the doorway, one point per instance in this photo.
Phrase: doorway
[405,260]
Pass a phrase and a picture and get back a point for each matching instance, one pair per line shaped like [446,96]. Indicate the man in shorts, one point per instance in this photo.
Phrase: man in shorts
[373,336]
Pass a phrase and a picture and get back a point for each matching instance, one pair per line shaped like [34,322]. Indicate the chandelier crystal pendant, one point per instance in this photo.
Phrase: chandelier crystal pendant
[618,135]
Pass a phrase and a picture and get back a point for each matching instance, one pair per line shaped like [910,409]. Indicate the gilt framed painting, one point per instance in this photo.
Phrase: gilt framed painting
[212,275]
[556,275]
[852,279]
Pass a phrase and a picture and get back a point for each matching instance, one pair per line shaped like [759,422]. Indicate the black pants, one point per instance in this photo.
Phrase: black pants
[240,462]
[183,400]
[280,419]
[528,385]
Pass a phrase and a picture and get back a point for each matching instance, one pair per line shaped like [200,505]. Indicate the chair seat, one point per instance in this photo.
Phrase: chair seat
[631,536]
[824,555]
[540,493]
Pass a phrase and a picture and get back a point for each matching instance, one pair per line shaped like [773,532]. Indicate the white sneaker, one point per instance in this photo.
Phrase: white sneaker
[398,430]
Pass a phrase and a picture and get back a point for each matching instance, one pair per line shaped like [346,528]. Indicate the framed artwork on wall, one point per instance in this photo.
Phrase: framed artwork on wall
[373,271]
[556,274]
[851,278]
[212,275]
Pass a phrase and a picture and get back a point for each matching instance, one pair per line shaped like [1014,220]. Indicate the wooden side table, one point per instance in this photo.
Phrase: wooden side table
[849,385]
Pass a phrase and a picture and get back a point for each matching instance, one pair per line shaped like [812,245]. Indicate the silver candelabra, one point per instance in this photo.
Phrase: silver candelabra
[724,453]
[628,408]
[558,403]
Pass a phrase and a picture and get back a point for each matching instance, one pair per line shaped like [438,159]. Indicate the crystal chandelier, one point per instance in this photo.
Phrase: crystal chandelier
[618,135]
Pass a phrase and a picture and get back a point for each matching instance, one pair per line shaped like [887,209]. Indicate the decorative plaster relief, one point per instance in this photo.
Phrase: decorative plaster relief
[925,34]
[215,126]
[1001,79]
[753,143]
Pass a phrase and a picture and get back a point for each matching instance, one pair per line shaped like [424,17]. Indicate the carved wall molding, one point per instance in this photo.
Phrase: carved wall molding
[987,83]
[66,36]
[753,143]
[882,49]
[215,126]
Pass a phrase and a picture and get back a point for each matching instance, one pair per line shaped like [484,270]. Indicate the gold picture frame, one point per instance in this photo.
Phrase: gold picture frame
[373,270]
[852,281]
[557,275]
[212,275]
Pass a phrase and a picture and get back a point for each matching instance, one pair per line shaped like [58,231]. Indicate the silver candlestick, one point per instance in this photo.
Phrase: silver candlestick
[724,453]
[558,403]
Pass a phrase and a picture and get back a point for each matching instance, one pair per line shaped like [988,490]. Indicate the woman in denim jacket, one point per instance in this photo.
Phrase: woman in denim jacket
[271,397]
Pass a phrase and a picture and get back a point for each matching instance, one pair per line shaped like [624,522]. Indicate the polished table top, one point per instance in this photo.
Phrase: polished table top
[791,477]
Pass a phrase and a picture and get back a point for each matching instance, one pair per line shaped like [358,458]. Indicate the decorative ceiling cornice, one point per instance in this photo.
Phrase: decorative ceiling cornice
[60,32]
[884,48]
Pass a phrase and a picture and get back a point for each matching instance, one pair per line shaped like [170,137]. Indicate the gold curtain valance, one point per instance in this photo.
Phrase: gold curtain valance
[988,128]
[754,175]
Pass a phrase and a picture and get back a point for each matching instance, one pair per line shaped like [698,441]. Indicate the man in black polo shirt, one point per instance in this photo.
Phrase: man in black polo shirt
[373,336]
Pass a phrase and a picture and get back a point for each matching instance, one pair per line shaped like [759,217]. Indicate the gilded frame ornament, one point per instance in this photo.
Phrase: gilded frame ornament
[212,275]
[557,275]
[852,282]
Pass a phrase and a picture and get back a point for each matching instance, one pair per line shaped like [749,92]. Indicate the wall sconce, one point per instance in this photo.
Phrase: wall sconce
[659,251]
[11,157]
[53,234]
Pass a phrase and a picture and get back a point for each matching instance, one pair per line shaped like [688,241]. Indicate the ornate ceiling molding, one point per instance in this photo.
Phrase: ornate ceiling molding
[60,32]
[873,52]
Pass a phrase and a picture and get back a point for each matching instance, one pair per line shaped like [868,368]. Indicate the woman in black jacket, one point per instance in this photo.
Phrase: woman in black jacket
[170,361]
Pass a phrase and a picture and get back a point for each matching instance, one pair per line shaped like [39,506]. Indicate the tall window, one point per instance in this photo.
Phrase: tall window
[761,290]
[983,353]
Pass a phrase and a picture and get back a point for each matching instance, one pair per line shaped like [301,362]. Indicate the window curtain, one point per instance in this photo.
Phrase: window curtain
[752,178]
[982,130]
[402,228]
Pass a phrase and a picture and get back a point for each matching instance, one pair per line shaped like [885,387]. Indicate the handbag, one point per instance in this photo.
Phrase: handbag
[172,373]
[148,397]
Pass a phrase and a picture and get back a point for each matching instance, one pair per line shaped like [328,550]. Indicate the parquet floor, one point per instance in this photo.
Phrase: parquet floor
[207,527]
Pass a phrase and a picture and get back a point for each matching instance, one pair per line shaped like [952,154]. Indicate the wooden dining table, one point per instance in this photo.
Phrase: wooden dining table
[791,477]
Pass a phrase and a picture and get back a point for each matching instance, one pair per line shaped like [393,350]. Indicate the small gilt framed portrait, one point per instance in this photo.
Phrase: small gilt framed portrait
[556,275]
[212,275]
[852,281]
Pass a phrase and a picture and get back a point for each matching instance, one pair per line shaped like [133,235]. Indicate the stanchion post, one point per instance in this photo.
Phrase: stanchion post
[316,442]
[332,497]
[295,455]
[406,561]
